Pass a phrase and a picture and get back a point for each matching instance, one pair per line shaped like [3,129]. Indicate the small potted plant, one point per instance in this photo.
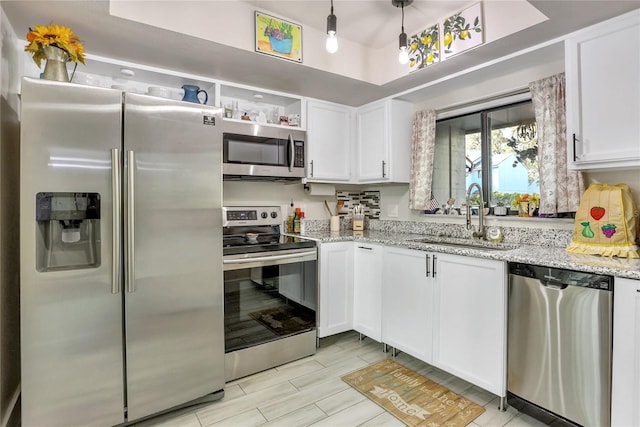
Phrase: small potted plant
[57,45]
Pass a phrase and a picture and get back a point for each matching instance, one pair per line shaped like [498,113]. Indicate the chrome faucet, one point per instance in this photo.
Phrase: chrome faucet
[480,234]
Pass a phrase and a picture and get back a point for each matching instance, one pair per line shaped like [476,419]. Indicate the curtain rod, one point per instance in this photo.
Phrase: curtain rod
[484,103]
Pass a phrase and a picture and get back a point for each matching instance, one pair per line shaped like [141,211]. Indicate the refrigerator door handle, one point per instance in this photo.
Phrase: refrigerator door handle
[117,221]
[130,221]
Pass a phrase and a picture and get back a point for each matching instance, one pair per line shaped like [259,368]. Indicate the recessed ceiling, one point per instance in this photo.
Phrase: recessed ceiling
[370,23]
[367,22]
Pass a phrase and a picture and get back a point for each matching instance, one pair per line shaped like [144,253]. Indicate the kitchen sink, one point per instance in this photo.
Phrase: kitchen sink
[469,244]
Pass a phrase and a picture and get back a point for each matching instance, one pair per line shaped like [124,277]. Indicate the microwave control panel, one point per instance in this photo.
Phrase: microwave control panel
[298,154]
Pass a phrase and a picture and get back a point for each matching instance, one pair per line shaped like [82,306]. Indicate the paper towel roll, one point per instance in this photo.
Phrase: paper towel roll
[321,189]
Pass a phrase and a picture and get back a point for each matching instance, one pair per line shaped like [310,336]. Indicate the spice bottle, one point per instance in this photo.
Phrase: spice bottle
[296,221]
[302,223]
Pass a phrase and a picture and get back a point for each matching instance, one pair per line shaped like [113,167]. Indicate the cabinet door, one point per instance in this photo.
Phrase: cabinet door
[372,148]
[625,391]
[469,338]
[603,94]
[407,301]
[367,292]
[328,142]
[336,288]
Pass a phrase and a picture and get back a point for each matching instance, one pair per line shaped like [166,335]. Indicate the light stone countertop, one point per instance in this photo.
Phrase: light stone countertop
[546,256]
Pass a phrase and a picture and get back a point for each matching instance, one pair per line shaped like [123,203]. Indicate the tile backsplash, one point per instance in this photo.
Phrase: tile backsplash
[370,201]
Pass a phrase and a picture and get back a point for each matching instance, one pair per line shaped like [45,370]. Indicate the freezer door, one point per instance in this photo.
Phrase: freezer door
[173,302]
[71,320]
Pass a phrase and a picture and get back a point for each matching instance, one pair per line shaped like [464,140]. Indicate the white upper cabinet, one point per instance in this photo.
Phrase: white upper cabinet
[384,141]
[329,147]
[603,94]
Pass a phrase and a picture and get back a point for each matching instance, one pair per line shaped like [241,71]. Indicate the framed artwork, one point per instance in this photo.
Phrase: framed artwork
[462,31]
[277,37]
[424,48]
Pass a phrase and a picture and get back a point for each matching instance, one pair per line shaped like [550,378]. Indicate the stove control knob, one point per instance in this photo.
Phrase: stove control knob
[263,215]
[274,214]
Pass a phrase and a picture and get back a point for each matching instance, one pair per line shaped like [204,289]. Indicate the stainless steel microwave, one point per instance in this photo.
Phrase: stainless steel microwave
[255,151]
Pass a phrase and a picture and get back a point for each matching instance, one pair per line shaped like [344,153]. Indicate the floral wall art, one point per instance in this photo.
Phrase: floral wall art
[277,37]
[462,31]
[424,48]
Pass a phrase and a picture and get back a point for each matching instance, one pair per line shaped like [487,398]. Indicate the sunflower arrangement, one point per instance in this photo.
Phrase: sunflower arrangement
[54,35]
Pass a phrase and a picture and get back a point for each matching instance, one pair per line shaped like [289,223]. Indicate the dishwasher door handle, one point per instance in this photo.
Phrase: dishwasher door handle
[550,285]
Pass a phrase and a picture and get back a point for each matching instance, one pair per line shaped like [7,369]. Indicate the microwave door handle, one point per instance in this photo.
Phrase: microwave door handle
[290,152]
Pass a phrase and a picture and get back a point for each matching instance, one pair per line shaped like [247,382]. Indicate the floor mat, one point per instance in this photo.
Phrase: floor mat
[412,398]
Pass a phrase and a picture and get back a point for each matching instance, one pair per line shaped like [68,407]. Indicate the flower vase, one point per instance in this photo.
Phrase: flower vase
[523,209]
[56,65]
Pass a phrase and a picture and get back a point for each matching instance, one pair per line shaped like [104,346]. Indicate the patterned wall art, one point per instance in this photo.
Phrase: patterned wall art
[424,48]
[277,37]
[462,31]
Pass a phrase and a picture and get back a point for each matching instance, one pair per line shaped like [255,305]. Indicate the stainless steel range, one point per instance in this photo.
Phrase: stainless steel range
[270,291]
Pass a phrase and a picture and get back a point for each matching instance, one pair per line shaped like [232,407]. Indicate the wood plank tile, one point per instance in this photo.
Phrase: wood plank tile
[302,417]
[218,411]
[336,370]
[352,416]
[248,418]
[311,394]
[275,376]
[340,401]
[383,420]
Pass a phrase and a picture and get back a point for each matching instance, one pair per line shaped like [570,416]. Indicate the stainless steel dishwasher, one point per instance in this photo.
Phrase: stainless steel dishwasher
[559,342]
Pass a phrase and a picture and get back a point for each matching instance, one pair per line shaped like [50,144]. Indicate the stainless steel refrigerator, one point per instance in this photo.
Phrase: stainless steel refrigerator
[121,254]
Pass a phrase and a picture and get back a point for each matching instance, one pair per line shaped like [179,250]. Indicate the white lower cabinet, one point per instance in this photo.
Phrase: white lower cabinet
[407,301]
[446,310]
[469,320]
[335,288]
[367,295]
[625,390]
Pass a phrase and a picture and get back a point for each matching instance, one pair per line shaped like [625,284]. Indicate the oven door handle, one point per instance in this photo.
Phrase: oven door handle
[267,258]
[270,260]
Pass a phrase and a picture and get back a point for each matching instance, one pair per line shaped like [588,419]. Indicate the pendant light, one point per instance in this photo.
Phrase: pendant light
[332,40]
[403,55]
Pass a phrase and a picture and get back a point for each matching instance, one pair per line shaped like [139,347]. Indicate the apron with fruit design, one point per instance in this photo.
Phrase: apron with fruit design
[606,223]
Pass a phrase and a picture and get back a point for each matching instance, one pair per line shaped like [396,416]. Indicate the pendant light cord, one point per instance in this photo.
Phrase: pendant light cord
[332,7]
[401,7]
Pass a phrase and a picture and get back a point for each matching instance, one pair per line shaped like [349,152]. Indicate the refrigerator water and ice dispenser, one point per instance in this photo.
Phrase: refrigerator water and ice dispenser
[68,235]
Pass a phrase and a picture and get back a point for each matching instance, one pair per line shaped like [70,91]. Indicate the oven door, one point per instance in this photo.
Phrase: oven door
[269,296]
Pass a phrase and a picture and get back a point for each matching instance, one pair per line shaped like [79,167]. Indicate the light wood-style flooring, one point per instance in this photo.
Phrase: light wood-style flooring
[309,392]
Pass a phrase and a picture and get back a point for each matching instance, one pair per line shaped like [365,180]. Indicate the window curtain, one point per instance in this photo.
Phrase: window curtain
[423,141]
[560,188]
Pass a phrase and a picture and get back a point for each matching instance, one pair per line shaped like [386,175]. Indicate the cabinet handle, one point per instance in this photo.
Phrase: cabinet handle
[311,173]
[434,266]
[364,247]
[574,148]
[428,272]
[384,174]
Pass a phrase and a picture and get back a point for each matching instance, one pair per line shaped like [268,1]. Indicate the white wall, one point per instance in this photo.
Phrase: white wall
[234,27]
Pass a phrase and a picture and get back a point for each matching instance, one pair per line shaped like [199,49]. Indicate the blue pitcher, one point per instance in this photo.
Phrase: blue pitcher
[191,93]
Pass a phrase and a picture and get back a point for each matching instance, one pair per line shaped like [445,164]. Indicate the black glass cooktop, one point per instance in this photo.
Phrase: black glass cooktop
[242,240]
